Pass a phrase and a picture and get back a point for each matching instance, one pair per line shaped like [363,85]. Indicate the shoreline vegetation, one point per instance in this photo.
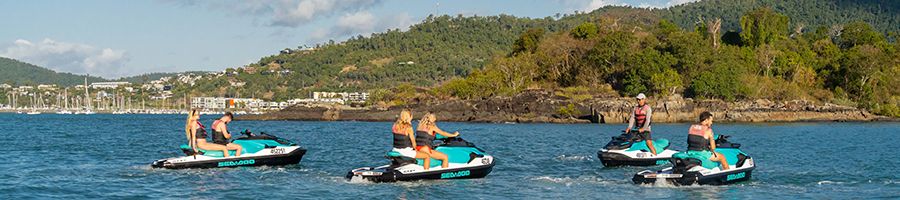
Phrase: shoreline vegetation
[537,106]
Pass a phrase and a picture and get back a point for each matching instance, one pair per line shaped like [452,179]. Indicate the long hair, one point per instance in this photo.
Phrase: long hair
[188,122]
[426,122]
[402,122]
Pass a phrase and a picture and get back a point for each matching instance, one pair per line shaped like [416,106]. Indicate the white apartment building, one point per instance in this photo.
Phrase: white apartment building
[108,85]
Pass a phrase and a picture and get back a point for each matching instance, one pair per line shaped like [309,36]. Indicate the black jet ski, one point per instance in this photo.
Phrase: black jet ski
[258,150]
[691,167]
[626,149]
[466,161]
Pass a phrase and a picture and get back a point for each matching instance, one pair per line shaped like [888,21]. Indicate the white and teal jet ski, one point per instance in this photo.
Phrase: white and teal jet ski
[466,161]
[258,150]
[625,149]
[691,167]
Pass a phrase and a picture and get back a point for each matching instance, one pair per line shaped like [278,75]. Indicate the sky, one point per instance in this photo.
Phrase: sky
[114,38]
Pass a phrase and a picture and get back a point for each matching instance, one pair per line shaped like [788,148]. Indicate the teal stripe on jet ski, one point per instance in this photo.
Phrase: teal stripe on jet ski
[249,146]
[210,153]
[729,153]
[454,155]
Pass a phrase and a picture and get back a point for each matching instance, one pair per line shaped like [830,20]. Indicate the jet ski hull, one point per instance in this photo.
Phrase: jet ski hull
[269,157]
[616,159]
[622,150]
[388,174]
[691,178]
[689,168]
[466,161]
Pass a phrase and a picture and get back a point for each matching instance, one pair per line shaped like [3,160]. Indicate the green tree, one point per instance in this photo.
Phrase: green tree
[763,26]
[859,33]
[528,41]
[586,30]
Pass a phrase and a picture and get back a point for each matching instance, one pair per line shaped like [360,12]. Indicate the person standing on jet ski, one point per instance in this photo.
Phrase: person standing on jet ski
[405,138]
[221,134]
[701,141]
[640,118]
[196,134]
[425,135]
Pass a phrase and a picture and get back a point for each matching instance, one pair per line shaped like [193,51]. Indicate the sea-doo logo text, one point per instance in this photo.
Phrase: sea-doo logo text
[455,174]
[732,177]
[236,163]
[662,162]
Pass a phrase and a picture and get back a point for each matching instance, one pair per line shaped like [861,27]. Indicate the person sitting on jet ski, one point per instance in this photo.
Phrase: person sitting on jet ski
[196,134]
[640,118]
[221,134]
[405,138]
[701,141]
[425,135]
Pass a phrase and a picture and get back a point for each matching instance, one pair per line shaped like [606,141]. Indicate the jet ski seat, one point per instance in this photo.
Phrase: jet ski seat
[211,153]
[660,144]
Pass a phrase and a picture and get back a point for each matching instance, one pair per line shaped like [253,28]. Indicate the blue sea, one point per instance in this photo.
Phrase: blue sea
[107,157]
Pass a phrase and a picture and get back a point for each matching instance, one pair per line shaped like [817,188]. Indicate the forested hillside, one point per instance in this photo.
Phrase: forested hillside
[856,65]
[883,15]
[442,47]
[16,72]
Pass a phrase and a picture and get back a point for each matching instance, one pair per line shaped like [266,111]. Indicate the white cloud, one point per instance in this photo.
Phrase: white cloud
[595,4]
[679,2]
[286,13]
[69,57]
[355,22]
[361,23]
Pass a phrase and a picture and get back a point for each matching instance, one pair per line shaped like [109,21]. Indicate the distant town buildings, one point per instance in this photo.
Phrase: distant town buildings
[221,103]
[46,87]
[340,96]
[108,85]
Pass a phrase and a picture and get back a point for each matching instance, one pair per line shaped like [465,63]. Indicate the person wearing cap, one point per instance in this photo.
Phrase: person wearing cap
[640,119]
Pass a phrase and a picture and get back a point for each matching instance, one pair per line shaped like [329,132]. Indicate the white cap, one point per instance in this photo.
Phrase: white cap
[641,96]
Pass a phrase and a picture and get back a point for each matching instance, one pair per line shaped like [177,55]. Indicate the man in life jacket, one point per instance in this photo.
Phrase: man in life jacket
[221,134]
[702,141]
[640,119]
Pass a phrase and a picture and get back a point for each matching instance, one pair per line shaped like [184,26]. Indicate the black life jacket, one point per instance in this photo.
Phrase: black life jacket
[424,138]
[200,132]
[218,135]
[696,141]
[401,140]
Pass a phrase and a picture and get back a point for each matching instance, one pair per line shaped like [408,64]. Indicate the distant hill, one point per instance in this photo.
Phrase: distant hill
[16,72]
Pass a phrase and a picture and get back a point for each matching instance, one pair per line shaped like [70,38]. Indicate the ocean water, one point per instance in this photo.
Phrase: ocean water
[108,156]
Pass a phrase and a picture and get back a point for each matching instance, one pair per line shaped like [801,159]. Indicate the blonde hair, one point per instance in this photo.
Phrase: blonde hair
[402,121]
[187,123]
[426,122]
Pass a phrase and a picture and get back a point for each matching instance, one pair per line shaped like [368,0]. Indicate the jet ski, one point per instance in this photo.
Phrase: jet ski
[692,168]
[258,150]
[466,161]
[626,149]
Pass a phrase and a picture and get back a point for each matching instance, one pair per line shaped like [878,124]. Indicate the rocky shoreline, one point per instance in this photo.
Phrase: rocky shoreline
[545,107]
